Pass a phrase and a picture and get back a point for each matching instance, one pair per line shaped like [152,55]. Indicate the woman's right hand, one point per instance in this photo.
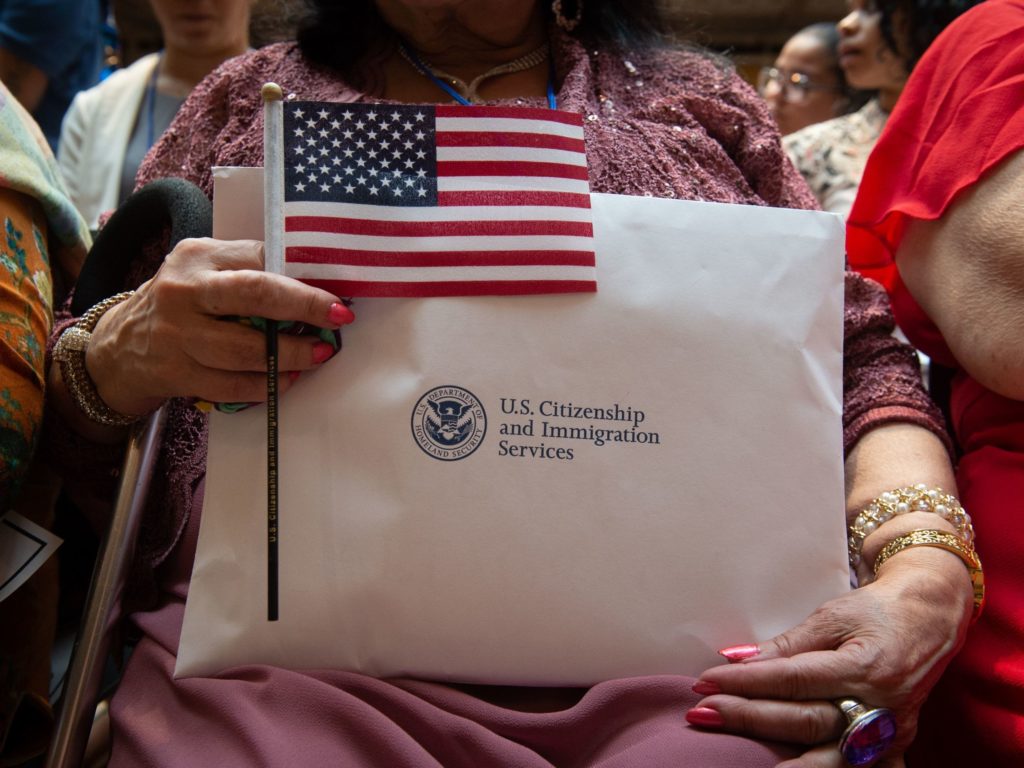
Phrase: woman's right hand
[171,338]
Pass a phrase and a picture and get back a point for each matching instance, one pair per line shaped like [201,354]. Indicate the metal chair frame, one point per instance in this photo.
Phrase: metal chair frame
[94,640]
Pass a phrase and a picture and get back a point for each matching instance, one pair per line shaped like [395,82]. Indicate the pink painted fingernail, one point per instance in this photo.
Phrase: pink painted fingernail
[339,314]
[705,717]
[322,351]
[706,688]
[740,652]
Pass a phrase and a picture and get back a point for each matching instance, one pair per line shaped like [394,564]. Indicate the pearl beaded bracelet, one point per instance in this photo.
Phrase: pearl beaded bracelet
[900,501]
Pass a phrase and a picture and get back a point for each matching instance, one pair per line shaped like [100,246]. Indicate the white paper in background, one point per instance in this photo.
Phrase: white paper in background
[24,547]
[720,324]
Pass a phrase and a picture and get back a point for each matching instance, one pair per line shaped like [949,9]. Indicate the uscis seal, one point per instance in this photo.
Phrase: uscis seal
[449,423]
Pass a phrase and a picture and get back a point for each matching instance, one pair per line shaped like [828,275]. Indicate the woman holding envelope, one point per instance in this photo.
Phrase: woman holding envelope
[658,122]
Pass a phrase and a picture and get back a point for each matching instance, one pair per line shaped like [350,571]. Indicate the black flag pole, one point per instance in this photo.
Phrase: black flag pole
[272,473]
[273,230]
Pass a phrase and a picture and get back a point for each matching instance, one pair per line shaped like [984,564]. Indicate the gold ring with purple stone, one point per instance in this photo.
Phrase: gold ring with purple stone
[869,733]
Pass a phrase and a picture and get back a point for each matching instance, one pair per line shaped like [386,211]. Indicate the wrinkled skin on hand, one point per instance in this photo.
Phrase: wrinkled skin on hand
[175,337]
[885,644]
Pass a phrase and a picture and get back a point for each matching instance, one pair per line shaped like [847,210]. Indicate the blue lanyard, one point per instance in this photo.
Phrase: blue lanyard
[425,70]
[151,105]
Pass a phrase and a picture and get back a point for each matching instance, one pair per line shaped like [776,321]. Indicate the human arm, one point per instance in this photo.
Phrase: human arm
[89,469]
[25,80]
[34,45]
[168,159]
[966,270]
[171,338]
[886,642]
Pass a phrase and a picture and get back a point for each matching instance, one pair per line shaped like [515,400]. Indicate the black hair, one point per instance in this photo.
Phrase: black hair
[850,99]
[910,26]
[341,34]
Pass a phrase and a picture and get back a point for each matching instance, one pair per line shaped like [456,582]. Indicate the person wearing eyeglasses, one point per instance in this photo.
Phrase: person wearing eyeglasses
[879,43]
[806,85]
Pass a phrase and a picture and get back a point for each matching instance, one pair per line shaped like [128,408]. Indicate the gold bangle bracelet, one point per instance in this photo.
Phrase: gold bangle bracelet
[948,542]
[69,352]
[900,501]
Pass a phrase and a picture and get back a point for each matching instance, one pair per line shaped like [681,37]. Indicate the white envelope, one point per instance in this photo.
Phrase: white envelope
[711,515]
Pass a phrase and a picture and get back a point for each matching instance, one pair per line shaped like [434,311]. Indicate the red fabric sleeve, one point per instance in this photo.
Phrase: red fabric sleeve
[960,114]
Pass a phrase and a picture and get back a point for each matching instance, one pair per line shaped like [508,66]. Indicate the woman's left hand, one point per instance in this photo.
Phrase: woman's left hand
[884,644]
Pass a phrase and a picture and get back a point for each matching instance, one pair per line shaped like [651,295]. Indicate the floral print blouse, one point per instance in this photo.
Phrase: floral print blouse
[26,314]
[36,221]
[831,155]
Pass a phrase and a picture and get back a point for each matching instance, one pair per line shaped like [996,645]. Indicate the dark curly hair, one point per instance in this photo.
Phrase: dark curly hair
[910,26]
[340,34]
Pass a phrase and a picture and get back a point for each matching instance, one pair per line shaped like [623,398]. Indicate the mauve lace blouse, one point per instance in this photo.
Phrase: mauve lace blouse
[661,123]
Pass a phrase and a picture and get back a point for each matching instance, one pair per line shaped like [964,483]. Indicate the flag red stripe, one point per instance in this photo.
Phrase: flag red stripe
[521,113]
[508,139]
[560,199]
[365,258]
[468,288]
[510,168]
[346,226]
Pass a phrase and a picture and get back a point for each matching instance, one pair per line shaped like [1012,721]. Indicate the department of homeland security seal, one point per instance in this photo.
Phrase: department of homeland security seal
[449,423]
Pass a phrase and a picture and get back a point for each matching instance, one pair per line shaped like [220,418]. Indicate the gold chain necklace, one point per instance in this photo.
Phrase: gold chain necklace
[468,90]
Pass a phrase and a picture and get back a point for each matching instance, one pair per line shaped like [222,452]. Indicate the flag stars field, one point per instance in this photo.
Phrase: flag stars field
[419,201]
[372,142]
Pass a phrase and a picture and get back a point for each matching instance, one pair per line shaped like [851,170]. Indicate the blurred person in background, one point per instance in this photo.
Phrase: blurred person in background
[44,240]
[880,42]
[806,85]
[109,128]
[138,31]
[49,51]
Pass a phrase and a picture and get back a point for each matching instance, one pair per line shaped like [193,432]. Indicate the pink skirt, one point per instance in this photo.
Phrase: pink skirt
[266,716]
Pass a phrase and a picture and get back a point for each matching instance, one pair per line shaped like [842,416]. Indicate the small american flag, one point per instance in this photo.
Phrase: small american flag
[409,200]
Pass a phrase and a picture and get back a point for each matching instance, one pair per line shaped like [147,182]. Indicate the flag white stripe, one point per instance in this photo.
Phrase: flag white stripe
[442,213]
[435,274]
[508,125]
[523,154]
[438,244]
[511,184]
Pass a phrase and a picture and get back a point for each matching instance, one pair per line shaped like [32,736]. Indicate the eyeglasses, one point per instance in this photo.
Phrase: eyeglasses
[794,86]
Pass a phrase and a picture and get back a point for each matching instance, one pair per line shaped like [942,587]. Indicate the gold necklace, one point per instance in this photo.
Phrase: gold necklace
[468,90]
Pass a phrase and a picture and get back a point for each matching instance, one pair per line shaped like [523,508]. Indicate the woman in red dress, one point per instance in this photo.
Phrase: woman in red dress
[942,199]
